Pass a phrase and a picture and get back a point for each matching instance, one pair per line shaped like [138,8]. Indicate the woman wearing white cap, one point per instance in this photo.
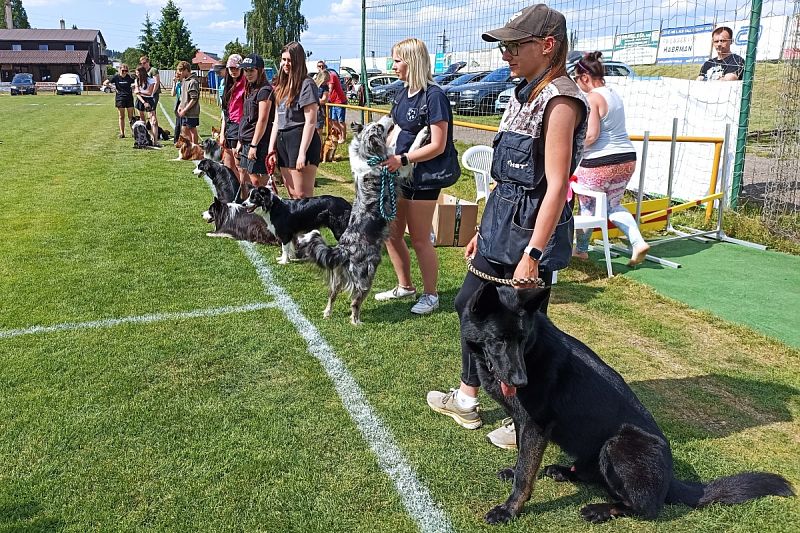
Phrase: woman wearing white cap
[232,113]
[527,227]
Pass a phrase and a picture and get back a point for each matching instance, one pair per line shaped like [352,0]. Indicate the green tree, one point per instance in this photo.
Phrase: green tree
[18,15]
[131,58]
[273,23]
[147,39]
[173,39]
[235,47]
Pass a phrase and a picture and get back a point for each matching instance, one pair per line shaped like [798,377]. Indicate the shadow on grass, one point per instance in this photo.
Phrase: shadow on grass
[27,517]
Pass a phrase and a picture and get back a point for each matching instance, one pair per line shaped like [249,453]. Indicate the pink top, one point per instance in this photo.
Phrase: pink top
[236,103]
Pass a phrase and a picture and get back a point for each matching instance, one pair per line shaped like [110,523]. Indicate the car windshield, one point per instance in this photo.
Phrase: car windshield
[21,78]
[500,74]
[467,78]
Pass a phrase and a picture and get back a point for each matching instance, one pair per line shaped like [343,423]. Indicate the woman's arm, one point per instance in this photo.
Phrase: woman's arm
[310,114]
[598,108]
[261,126]
[272,154]
[560,120]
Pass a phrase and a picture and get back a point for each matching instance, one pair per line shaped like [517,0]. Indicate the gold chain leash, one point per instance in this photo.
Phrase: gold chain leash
[537,282]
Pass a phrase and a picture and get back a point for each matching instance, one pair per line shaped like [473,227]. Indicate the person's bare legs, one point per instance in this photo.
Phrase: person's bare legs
[288,181]
[419,218]
[302,181]
[396,246]
[121,112]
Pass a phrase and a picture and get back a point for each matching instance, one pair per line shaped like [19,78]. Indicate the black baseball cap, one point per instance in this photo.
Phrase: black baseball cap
[533,21]
[252,61]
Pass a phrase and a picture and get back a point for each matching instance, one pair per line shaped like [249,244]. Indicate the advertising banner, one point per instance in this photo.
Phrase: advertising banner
[639,48]
[771,37]
[690,44]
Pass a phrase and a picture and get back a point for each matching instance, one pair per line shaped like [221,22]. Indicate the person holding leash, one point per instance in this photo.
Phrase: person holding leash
[145,103]
[232,113]
[527,228]
[155,91]
[421,103]
[257,118]
[295,145]
[123,101]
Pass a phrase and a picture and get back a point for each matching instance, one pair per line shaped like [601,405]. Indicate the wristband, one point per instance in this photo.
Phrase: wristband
[404,160]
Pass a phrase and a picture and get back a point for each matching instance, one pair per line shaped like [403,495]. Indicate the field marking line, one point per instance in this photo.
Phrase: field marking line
[172,122]
[415,496]
[142,319]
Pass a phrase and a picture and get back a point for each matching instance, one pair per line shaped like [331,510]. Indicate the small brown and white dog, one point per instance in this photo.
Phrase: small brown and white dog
[215,133]
[329,148]
[187,150]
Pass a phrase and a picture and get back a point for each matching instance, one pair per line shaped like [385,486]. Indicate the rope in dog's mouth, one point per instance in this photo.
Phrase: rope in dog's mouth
[536,282]
[388,194]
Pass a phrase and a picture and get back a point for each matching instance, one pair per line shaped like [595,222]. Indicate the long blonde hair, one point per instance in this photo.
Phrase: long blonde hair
[415,54]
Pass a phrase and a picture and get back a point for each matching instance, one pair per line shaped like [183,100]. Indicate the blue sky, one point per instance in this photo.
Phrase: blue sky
[334,26]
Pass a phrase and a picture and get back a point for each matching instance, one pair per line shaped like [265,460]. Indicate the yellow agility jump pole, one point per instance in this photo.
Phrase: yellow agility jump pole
[680,207]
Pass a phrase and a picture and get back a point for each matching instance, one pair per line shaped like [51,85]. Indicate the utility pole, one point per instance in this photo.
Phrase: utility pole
[445,40]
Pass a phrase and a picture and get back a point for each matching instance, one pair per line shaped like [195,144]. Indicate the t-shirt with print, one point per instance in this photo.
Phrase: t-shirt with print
[715,69]
[247,127]
[291,115]
[414,113]
[123,85]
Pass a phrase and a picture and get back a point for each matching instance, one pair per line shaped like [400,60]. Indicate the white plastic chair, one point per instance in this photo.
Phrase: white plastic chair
[598,220]
[478,159]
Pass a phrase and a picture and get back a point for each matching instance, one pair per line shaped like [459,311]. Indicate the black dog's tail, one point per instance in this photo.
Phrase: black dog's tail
[729,490]
[314,247]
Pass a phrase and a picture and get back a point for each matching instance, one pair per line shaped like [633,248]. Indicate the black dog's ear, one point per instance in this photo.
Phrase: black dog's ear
[484,300]
[532,299]
[357,127]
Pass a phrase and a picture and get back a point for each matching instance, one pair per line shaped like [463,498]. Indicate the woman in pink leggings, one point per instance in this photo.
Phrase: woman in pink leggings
[609,158]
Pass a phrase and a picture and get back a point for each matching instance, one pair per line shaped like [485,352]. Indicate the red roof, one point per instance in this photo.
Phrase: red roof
[201,58]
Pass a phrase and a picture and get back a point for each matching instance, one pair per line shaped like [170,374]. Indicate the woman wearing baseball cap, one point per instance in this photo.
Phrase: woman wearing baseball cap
[255,126]
[235,85]
[527,227]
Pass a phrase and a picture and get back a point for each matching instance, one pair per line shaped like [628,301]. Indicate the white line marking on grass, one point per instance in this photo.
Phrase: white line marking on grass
[416,498]
[144,319]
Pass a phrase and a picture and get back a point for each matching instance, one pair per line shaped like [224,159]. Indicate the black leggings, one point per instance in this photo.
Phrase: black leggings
[469,368]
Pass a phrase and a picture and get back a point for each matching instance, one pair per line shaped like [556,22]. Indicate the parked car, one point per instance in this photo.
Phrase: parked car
[22,83]
[469,77]
[69,83]
[480,96]
[384,94]
[450,74]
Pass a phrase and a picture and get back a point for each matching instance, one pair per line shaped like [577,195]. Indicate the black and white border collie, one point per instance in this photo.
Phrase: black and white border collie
[142,137]
[288,218]
[231,220]
[212,149]
[223,179]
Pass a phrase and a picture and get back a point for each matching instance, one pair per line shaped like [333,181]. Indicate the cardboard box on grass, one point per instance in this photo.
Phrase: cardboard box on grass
[454,221]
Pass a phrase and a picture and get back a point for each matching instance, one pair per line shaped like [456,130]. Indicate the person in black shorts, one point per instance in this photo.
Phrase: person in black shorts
[295,144]
[123,100]
[419,104]
[254,128]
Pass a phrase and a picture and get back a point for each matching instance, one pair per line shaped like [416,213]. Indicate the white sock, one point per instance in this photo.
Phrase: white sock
[465,401]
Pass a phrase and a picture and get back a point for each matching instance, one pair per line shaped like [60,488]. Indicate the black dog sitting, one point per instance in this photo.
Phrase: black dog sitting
[557,389]
[286,218]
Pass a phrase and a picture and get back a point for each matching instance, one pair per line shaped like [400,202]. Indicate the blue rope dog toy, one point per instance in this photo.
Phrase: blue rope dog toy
[388,194]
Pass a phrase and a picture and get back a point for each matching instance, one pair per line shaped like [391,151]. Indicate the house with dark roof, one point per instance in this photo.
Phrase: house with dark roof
[49,53]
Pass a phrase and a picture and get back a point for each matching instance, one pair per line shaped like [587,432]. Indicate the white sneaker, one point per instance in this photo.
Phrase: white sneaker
[397,292]
[427,303]
[505,436]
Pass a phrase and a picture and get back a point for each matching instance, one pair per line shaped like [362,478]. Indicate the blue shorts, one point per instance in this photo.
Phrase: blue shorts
[190,122]
[336,113]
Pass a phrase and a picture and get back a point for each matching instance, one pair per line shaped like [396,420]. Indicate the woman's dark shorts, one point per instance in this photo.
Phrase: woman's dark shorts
[257,165]
[289,148]
[408,192]
[190,122]
[140,107]
[123,102]
[231,133]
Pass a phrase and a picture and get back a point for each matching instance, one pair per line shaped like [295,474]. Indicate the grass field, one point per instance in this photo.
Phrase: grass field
[156,401]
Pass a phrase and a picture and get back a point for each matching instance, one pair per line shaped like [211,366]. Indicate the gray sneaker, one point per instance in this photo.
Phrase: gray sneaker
[505,436]
[447,404]
[427,303]
[397,292]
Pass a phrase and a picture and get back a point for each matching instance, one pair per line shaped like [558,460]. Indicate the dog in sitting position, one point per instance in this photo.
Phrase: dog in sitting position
[212,149]
[187,150]
[142,136]
[232,220]
[351,265]
[288,218]
[329,148]
[223,179]
[558,390]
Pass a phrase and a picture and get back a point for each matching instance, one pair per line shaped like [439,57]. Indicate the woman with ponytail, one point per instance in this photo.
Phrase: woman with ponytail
[527,227]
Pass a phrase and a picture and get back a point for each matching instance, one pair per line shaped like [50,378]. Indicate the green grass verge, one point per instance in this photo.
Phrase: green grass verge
[227,423]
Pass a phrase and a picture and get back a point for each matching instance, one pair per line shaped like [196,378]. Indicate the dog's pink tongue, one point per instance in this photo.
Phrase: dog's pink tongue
[508,390]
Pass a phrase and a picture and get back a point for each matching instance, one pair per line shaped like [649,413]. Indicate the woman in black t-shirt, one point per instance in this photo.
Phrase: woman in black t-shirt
[295,144]
[123,100]
[254,128]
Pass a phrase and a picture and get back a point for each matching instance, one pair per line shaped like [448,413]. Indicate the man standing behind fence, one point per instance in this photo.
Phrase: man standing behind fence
[335,96]
[726,66]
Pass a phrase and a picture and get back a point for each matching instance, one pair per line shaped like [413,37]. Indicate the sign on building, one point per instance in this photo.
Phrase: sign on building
[639,48]
[689,44]
[771,35]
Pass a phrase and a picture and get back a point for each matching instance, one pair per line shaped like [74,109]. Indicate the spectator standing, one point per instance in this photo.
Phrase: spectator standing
[526,230]
[152,74]
[609,158]
[321,79]
[295,144]
[189,108]
[419,104]
[358,90]
[145,103]
[255,128]
[726,66]
[232,104]
[176,92]
[335,96]
[123,100]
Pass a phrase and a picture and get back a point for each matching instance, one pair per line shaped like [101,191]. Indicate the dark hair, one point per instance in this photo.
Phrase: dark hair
[287,86]
[230,82]
[721,29]
[260,82]
[354,77]
[592,65]
[141,77]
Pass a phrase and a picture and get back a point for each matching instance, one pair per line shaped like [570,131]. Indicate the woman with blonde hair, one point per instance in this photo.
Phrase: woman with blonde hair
[295,144]
[419,104]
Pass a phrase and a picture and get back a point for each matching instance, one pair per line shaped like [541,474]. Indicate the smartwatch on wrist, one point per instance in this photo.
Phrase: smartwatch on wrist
[534,253]
[404,160]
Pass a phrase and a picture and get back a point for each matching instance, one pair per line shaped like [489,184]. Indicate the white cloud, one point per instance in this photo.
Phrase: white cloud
[227,25]
[42,3]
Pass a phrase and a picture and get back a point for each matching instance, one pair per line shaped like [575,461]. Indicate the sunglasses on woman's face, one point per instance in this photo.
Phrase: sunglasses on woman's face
[124,70]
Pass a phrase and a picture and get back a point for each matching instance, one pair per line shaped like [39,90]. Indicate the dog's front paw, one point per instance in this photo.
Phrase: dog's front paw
[557,472]
[506,474]
[499,515]
[283,260]
[596,513]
